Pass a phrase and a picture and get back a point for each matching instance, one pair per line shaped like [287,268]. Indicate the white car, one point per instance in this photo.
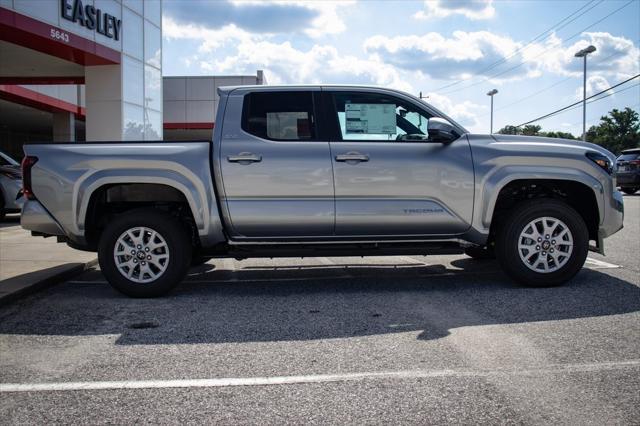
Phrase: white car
[10,185]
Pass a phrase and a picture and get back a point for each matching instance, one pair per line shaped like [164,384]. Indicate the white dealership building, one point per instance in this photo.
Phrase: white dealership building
[92,70]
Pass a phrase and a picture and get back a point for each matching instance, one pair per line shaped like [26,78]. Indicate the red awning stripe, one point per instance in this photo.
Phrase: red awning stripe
[37,35]
[30,98]
[42,80]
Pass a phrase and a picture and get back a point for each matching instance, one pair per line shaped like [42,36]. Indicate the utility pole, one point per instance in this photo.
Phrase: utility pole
[583,54]
[491,93]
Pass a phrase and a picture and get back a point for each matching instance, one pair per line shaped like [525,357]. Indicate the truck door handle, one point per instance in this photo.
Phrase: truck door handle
[244,157]
[352,156]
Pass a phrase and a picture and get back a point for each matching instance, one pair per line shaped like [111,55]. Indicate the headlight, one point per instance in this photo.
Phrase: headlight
[601,160]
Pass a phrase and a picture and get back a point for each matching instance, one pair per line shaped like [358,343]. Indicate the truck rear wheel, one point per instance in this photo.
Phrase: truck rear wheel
[144,253]
[542,243]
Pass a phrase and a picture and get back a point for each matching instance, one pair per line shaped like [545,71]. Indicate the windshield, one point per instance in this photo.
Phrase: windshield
[5,160]
[629,157]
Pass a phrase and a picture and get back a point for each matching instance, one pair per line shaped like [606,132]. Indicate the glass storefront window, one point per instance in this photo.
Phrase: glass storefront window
[45,11]
[113,8]
[153,125]
[152,45]
[152,88]
[152,11]
[133,122]
[132,34]
[134,5]
[133,80]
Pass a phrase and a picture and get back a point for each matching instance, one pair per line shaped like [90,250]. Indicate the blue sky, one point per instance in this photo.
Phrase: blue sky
[453,51]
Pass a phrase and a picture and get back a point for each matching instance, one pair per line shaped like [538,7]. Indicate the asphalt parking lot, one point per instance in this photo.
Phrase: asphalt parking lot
[405,339]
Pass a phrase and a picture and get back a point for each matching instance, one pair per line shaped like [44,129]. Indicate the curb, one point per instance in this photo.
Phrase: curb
[15,288]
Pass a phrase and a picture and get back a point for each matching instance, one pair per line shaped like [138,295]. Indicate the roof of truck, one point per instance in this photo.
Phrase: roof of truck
[304,86]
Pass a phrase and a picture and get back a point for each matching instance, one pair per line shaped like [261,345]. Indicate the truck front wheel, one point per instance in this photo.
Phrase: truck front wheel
[543,243]
[144,253]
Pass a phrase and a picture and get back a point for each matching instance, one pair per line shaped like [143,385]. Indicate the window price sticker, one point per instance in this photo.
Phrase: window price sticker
[370,118]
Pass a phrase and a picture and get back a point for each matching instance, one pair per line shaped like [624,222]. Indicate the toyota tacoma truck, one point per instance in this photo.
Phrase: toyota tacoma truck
[294,171]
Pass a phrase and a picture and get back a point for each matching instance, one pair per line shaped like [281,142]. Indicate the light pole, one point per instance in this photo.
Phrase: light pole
[583,54]
[491,93]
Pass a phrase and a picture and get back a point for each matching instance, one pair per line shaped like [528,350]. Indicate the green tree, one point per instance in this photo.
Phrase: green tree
[531,130]
[509,130]
[561,135]
[616,131]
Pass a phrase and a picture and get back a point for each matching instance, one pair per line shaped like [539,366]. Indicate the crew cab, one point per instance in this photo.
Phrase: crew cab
[324,171]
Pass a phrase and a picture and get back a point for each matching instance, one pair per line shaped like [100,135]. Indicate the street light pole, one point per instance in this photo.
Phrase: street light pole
[491,93]
[583,54]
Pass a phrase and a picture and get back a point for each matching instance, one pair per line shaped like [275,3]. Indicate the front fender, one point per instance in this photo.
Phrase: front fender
[492,184]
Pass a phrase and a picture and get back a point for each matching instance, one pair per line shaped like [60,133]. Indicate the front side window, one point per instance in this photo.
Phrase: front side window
[378,117]
[285,116]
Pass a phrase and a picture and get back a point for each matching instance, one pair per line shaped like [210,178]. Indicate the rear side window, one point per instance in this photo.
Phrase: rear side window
[281,116]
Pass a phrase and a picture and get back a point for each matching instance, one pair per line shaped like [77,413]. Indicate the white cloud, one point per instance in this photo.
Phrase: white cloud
[458,57]
[595,84]
[327,18]
[314,19]
[615,57]
[472,9]
[466,113]
[484,54]
[210,39]
[284,64]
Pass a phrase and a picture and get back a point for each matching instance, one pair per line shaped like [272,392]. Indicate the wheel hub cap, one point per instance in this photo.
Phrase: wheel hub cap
[545,244]
[141,254]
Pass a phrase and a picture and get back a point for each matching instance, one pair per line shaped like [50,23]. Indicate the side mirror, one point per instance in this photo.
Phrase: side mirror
[440,130]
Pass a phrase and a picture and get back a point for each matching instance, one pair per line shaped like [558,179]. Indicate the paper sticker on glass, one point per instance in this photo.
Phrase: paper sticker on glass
[288,125]
[370,118]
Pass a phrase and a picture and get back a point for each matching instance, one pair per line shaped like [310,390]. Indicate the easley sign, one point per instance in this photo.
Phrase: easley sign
[92,18]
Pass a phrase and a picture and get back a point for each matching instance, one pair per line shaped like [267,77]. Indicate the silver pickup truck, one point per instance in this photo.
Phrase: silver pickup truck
[324,171]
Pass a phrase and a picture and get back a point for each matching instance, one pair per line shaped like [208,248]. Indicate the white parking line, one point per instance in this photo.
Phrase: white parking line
[318,378]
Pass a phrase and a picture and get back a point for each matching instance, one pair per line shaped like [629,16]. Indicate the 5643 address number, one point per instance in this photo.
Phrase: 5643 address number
[59,35]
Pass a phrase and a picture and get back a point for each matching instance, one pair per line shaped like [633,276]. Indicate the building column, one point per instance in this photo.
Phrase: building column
[104,103]
[64,127]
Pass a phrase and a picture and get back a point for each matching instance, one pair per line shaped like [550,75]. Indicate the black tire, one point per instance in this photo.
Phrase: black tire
[629,191]
[177,241]
[480,253]
[508,237]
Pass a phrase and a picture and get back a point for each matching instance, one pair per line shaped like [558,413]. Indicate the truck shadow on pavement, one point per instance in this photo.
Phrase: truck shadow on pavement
[10,220]
[217,306]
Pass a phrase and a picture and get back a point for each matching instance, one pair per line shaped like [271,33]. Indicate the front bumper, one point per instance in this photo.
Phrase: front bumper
[614,215]
[37,219]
